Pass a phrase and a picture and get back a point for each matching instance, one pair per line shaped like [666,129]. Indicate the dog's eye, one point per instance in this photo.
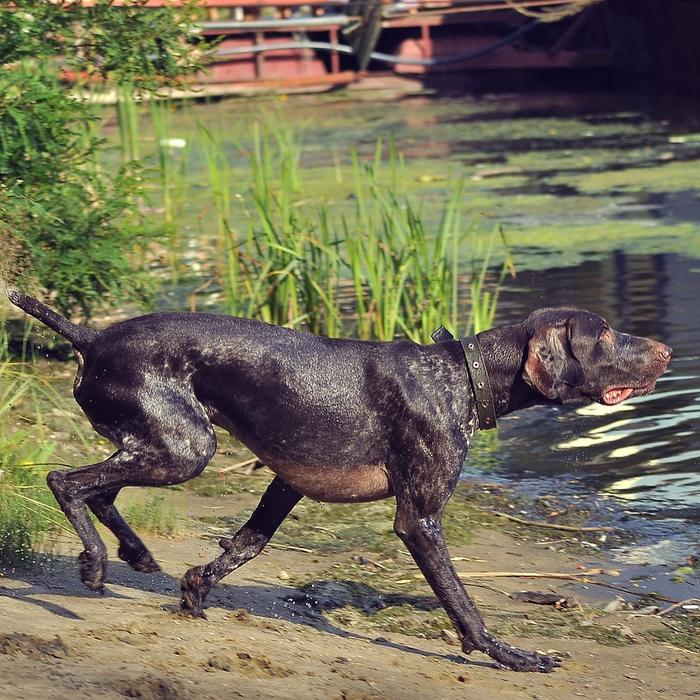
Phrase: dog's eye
[606,335]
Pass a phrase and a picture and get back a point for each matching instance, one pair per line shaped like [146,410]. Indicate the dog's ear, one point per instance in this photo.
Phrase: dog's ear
[551,368]
[583,331]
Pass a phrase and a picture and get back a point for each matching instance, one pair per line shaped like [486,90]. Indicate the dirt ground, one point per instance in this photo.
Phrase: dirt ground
[348,622]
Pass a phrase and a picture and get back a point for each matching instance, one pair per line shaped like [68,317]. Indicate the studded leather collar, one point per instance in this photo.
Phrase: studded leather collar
[478,376]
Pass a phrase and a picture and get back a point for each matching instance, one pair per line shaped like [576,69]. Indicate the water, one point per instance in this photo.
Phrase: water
[642,455]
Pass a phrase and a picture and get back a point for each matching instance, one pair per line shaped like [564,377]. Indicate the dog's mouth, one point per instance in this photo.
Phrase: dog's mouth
[617,394]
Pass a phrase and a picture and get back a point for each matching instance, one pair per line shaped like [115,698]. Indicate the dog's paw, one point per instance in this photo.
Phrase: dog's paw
[518,660]
[187,611]
[532,662]
[138,559]
[93,568]
[194,588]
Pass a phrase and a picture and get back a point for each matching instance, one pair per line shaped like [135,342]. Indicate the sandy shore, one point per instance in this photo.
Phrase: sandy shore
[350,618]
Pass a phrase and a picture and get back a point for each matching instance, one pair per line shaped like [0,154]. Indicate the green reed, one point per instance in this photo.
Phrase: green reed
[128,121]
[290,258]
[405,278]
[28,511]
[379,268]
[173,163]
[220,182]
[294,260]
[484,297]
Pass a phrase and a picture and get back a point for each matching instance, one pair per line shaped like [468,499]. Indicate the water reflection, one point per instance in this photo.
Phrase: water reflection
[645,452]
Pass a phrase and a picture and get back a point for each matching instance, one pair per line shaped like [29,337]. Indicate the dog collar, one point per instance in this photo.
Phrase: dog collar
[478,376]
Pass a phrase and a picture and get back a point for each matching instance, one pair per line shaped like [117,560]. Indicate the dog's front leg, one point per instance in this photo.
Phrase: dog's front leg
[275,505]
[417,523]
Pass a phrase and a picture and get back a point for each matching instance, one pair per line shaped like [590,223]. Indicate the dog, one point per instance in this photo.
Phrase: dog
[335,420]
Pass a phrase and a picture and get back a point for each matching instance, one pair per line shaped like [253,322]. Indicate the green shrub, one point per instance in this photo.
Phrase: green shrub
[79,226]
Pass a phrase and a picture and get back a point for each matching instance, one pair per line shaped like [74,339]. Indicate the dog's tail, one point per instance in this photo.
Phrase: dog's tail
[79,336]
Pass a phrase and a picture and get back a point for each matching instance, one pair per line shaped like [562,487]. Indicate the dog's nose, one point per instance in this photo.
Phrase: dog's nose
[665,351]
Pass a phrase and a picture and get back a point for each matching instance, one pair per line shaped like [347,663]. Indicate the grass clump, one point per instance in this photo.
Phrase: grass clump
[28,512]
[150,510]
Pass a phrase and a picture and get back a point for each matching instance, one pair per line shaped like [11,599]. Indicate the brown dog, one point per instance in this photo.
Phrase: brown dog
[336,420]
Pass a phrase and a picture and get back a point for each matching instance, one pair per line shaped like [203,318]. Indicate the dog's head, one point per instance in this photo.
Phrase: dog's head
[573,354]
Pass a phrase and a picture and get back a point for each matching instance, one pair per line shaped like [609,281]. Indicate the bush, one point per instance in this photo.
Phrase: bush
[82,240]
[81,235]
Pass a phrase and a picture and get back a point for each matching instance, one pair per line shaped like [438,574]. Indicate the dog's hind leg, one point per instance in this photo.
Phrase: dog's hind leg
[276,504]
[167,441]
[72,490]
[94,484]
[131,549]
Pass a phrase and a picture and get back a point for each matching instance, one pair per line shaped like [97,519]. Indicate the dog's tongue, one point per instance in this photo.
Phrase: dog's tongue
[616,395]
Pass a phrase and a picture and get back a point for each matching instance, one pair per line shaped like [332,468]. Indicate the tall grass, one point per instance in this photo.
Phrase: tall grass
[378,269]
[295,259]
[173,157]
[290,260]
[406,279]
[219,172]
[484,297]
[128,122]
[28,512]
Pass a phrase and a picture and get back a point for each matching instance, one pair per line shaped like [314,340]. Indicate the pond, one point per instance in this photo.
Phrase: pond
[598,197]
